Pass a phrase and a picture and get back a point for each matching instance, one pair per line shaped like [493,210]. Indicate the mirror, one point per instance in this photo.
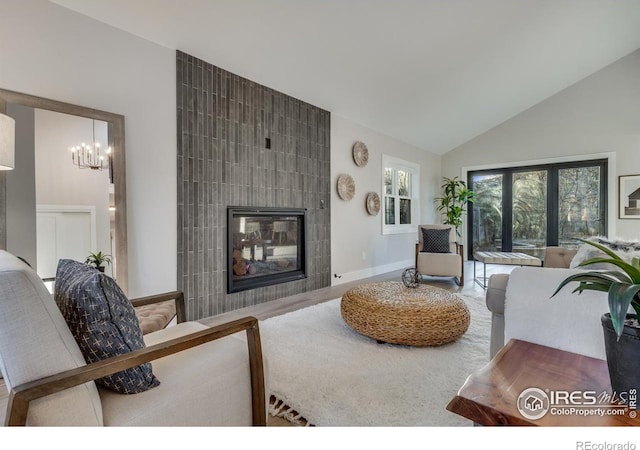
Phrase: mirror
[54,113]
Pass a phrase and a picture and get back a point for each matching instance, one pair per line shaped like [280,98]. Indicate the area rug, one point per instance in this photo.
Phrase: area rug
[323,373]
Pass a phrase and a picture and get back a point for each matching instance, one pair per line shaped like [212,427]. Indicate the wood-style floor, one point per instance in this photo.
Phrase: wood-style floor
[298,301]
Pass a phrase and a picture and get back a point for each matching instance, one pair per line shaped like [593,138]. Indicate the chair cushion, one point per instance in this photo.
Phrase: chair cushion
[103,323]
[440,264]
[155,316]
[214,376]
[436,240]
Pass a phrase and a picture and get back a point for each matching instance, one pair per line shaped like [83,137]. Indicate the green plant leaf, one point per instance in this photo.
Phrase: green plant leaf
[632,272]
[601,287]
[595,278]
[620,297]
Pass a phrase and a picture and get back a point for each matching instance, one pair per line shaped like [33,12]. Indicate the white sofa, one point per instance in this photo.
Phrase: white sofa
[522,308]
[208,376]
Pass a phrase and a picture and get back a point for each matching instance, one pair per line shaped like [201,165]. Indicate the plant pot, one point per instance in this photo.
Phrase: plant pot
[623,356]
[100,268]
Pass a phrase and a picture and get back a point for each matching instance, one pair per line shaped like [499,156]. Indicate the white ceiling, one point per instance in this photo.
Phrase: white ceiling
[432,73]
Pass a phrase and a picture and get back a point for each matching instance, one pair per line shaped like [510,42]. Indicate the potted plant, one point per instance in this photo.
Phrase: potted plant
[98,260]
[621,328]
[455,196]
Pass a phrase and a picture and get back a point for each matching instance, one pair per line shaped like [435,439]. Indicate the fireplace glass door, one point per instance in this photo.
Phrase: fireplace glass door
[266,246]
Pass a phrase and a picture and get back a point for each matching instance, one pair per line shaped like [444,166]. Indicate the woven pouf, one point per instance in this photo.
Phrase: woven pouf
[390,312]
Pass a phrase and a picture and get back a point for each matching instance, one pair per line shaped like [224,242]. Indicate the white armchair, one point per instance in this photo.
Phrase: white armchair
[208,376]
[440,255]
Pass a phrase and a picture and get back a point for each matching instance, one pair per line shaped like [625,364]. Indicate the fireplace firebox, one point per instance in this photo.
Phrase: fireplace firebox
[265,246]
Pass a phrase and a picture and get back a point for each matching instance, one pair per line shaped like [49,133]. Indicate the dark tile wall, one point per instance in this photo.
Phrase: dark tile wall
[223,121]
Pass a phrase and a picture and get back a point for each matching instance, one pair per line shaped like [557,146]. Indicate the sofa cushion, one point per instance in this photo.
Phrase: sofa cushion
[436,240]
[103,323]
[569,321]
[627,250]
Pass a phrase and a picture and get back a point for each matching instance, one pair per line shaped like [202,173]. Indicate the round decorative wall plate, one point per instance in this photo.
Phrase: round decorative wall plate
[360,154]
[373,203]
[346,187]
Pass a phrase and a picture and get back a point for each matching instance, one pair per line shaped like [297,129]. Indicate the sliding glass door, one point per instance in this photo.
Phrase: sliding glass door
[526,209]
[529,212]
[581,204]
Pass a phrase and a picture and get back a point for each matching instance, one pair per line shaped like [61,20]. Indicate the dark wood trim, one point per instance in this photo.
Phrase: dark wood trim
[21,396]
[116,129]
[177,296]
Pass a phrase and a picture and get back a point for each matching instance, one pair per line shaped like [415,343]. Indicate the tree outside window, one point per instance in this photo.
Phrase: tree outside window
[400,187]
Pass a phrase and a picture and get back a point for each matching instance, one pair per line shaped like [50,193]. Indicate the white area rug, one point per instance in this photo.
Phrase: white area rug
[333,376]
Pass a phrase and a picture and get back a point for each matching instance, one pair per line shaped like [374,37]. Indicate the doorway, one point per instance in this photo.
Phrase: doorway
[526,209]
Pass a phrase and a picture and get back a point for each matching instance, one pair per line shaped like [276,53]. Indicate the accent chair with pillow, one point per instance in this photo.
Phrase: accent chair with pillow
[438,254]
[184,375]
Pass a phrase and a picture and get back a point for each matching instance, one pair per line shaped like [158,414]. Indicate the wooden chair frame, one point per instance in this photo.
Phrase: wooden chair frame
[21,396]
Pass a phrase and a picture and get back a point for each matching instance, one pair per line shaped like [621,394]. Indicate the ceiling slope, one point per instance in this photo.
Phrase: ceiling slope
[431,73]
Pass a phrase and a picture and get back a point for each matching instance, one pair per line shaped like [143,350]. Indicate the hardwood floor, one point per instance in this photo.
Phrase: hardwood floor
[298,301]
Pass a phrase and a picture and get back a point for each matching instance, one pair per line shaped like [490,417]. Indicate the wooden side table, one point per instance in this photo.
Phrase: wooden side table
[576,387]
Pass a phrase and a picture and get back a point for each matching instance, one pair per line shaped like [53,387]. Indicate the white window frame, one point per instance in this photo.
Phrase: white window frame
[390,162]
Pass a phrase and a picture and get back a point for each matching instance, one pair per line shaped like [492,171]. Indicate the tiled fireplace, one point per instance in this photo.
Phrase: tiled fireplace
[244,144]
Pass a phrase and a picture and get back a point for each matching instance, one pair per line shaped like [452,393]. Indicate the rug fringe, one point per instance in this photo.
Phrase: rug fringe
[278,408]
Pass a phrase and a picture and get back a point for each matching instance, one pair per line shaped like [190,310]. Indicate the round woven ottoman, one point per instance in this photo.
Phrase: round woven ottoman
[390,312]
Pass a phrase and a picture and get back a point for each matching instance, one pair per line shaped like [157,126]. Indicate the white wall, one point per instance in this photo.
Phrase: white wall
[598,115]
[353,230]
[21,188]
[51,52]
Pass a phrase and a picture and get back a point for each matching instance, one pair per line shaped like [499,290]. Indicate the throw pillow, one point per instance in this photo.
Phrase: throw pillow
[103,323]
[627,250]
[436,240]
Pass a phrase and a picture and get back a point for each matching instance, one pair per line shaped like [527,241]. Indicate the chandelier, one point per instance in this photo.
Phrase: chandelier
[91,156]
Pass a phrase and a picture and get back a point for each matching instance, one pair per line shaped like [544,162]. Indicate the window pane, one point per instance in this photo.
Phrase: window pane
[404,186]
[388,181]
[529,213]
[487,213]
[405,211]
[579,202]
[389,210]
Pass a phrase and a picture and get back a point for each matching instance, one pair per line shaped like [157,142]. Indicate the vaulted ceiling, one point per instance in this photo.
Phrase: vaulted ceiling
[432,73]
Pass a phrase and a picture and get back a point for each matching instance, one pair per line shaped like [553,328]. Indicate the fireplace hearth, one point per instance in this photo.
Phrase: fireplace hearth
[265,246]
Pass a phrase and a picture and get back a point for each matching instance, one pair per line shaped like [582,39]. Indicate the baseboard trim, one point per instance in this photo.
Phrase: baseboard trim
[371,271]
